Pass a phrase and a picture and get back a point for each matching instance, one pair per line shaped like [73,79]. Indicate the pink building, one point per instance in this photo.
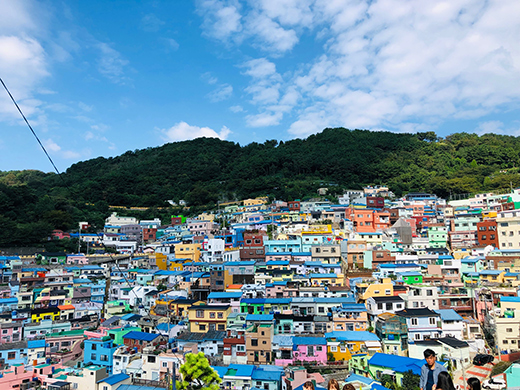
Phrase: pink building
[306,350]
[201,228]
[11,332]
[16,375]
[272,256]
[77,259]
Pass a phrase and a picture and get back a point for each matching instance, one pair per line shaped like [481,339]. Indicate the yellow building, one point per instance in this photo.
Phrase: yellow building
[492,276]
[204,318]
[326,279]
[369,288]
[187,251]
[342,345]
[161,261]
[51,313]
[254,202]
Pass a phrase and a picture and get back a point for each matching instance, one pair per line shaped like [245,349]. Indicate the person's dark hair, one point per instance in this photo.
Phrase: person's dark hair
[308,385]
[333,385]
[349,386]
[474,383]
[428,352]
[444,381]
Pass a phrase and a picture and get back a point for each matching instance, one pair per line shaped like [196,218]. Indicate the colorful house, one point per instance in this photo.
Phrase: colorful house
[341,345]
[203,318]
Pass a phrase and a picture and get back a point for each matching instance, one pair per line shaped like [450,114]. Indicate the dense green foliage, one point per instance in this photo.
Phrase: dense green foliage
[207,170]
[197,374]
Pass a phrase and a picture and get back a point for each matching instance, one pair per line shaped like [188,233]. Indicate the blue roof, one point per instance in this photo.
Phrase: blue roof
[259,317]
[266,375]
[309,341]
[397,363]
[8,300]
[36,343]
[410,273]
[322,276]
[509,274]
[113,379]
[359,378]
[509,299]
[224,295]
[449,315]
[242,369]
[491,272]
[277,262]
[221,371]
[398,265]
[352,335]
[136,335]
[251,301]
[235,263]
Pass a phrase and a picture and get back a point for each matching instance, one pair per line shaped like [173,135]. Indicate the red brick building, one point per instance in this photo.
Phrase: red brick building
[294,205]
[487,233]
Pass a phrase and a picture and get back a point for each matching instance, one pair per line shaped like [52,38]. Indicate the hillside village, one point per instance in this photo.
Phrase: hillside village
[274,295]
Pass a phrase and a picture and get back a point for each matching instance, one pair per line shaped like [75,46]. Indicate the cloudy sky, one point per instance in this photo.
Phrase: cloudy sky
[98,78]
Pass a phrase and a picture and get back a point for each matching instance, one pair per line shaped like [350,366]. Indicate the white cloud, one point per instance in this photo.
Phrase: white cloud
[182,131]
[111,64]
[389,64]
[222,19]
[23,67]
[236,109]
[151,23]
[171,43]
[260,68]
[497,127]
[209,78]
[85,107]
[51,146]
[264,119]
[223,92]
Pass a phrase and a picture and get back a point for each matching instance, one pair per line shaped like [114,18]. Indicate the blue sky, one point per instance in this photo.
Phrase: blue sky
[98,78]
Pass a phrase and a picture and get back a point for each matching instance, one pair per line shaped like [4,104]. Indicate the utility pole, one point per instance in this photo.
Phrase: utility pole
[107,291]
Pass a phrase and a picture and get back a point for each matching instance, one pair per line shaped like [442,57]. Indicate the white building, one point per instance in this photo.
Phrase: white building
[115,220]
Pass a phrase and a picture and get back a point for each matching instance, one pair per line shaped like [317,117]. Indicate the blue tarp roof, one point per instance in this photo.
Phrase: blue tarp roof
[113,379]
[266,375]
[509,299]
[397,363]
[224,295]
[309,341]
[136,335]
[449,315]
[259,317]
[352,335]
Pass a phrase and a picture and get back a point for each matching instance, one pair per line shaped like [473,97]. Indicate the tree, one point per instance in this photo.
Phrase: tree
[197,374]
[411,381]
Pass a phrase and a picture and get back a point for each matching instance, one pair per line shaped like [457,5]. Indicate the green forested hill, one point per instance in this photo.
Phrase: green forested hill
[206,170]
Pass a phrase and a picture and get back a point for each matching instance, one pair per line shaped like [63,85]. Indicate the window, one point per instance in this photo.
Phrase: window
[212,314]
[432,321]
[220,315]
[414,321]
[104,358]
[94,347]
[417,336]
[165,364]
[202,327]
[199,314]
[254,342]
[429,293]
[509,330]
[93,356]
[333,349]
[11,355]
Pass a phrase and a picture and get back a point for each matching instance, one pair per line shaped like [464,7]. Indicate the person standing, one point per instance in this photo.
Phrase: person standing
[430,371]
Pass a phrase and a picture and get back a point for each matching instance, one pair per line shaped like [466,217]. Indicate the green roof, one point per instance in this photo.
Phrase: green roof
[74,332]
